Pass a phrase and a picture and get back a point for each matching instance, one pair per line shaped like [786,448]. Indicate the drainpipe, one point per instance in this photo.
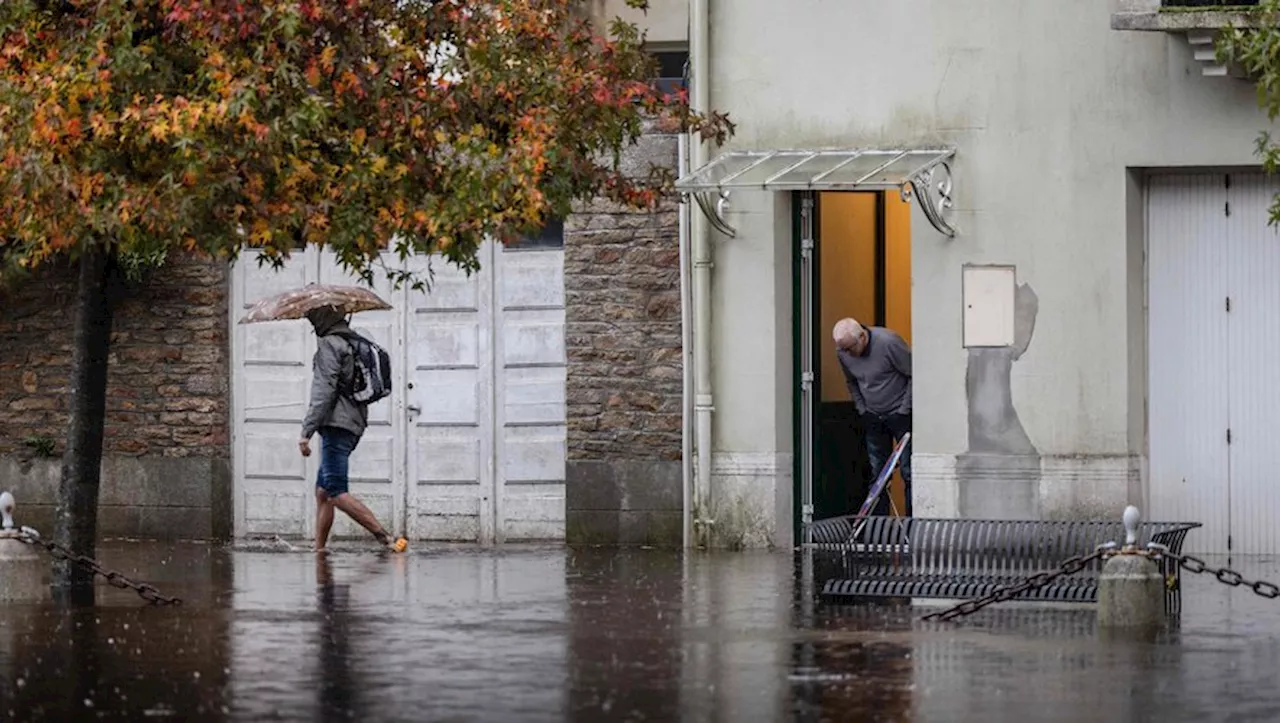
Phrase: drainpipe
[686,347]
[699,58]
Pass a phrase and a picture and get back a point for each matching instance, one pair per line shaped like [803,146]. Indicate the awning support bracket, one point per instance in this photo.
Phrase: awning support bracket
[715,216]
[924,185]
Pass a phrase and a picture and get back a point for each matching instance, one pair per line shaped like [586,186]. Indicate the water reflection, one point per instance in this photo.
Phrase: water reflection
[336,687]
[548,633]
[863,678]
[624,636]
[120,660]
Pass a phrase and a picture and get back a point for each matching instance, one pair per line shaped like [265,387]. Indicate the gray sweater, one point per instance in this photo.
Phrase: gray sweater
[880,380]
[333,365]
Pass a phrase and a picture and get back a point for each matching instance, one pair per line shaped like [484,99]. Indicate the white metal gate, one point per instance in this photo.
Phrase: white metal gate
[472,445]
[1214,325]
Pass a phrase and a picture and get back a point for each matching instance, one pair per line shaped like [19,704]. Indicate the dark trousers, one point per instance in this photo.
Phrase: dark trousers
[882,433]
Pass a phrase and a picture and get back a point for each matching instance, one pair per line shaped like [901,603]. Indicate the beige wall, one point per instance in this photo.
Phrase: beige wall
[666,21]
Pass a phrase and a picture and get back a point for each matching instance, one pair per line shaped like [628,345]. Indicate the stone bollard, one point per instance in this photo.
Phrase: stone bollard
[24,571]
[1131,587]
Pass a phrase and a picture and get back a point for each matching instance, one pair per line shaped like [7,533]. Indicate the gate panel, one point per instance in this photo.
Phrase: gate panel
[449,334]
[530,393]
[1254,350]
[1187,355]
[376,474]
[271,376]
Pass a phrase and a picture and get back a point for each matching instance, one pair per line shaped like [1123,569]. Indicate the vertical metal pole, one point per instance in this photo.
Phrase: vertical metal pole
[700,255]
[687,430]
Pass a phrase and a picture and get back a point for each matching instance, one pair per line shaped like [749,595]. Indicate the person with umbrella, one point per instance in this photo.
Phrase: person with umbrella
[339,419]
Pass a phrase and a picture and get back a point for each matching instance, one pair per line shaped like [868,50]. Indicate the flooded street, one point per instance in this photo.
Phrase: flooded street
[552,634]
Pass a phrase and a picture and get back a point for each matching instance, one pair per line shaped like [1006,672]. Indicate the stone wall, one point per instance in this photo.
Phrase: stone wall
[166,467]
[622,287]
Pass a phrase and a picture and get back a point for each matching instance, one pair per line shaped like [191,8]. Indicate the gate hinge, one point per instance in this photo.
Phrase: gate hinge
[806,244]
[1228,303]
[1226,208]
[1228,435]
[807,513]
[806,380]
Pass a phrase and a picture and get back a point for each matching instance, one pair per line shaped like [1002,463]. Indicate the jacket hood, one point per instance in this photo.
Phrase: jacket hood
[324,319]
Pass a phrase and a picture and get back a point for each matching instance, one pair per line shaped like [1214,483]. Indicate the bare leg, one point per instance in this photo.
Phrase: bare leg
[324,519]
[356,510]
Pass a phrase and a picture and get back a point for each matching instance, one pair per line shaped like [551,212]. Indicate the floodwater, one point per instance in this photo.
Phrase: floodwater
[554,634]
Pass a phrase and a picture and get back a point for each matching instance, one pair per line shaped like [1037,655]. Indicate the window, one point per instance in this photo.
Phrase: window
[671,69]
[550,237]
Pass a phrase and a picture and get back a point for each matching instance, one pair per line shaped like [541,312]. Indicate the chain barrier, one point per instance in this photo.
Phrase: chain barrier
[1069,567]
[145,591]
[1225,575]
[1155,551]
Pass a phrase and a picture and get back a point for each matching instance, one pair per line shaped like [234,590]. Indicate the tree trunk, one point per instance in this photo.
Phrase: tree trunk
[77,514]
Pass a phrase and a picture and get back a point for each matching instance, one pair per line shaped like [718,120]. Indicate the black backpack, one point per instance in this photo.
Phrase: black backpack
[372,378]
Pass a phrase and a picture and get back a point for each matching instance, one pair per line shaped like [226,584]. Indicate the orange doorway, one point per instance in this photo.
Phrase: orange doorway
[862,259]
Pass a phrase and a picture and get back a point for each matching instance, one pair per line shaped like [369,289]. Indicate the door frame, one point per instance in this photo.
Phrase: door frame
[804,347]
[806,273]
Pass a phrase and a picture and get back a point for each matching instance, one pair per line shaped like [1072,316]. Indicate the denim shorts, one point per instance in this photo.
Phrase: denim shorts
[336,446]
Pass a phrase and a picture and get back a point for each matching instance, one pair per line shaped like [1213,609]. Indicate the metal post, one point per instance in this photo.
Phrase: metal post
[23,571]
[1130,588]
[6,509]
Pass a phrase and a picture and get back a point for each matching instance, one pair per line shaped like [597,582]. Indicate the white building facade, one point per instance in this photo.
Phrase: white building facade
[1092,303]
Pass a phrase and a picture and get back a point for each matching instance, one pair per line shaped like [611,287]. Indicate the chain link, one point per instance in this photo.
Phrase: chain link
[1225,575]
[1070,567]
[114,578]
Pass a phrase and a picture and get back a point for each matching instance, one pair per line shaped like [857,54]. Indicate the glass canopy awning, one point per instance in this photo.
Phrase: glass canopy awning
[922,173]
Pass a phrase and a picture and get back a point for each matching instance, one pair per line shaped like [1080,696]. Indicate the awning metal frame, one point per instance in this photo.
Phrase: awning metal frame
[929,180]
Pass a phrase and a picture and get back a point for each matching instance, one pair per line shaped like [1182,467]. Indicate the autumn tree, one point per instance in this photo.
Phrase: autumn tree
[134,128]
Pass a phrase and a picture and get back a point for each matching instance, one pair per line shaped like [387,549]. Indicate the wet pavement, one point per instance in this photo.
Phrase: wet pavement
[553,634]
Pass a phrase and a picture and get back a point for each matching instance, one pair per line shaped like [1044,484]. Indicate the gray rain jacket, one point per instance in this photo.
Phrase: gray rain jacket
[331,368]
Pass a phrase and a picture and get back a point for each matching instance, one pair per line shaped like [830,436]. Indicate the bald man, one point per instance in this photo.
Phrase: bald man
[877,370]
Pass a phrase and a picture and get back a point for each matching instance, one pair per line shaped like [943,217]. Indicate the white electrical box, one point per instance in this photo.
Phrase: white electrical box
[988,296]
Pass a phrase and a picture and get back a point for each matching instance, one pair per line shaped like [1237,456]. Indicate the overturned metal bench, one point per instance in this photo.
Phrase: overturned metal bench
[894,557]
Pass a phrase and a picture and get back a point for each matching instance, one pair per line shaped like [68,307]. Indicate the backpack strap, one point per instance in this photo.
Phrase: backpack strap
[350,337]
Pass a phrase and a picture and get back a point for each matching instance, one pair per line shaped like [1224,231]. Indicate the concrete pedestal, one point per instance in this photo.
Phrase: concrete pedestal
[1130,593]
[24,572]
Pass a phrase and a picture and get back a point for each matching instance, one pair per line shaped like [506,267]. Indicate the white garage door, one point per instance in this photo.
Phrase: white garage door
[1214,393]
[472,444]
